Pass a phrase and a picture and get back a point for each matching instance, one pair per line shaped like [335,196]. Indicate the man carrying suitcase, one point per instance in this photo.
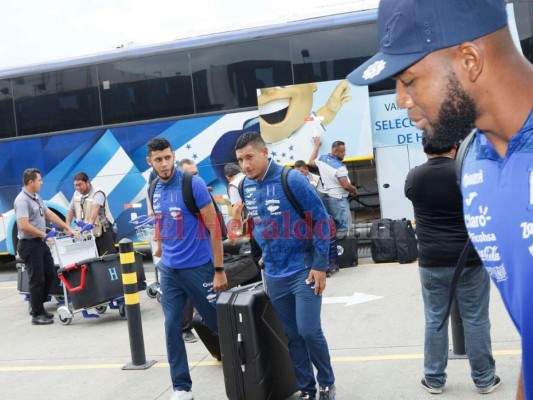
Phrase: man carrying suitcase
[295,254]
[191,259]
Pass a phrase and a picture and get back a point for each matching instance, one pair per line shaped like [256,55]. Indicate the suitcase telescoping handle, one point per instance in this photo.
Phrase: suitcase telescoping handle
[240,351]
[70,267]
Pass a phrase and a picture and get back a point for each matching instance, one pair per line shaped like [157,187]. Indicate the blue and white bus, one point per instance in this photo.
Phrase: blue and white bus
[96,113]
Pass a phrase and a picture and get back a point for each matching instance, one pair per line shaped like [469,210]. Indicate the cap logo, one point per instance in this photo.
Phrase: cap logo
[374,69]
[390,26]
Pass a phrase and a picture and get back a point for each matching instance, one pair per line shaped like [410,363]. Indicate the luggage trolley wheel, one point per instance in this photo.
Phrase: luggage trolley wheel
[65,315]
[152,289]
[101,309]
[158,296]
[122,310]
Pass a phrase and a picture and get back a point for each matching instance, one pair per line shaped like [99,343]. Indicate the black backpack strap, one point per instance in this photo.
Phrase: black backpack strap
[288,192]
[188,197]
[459,161]
[461,154]
[241,190]
[190,202]
[151,190]
[453,285]
[286,189]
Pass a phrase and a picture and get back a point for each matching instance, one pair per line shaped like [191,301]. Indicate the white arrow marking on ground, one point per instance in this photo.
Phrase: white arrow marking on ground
[356,298]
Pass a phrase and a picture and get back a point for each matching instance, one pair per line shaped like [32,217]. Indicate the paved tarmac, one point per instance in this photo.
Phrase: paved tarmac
[376,346]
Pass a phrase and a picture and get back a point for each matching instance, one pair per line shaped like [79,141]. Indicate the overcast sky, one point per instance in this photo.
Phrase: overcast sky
[34,31]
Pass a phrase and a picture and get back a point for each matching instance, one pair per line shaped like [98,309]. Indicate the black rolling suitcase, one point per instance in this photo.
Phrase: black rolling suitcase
[207,336]
[406,243]
[347,251]
[23,281]
[255,356]
[382,243]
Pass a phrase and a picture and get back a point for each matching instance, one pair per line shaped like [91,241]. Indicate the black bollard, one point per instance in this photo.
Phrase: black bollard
[458,333]
[133,307]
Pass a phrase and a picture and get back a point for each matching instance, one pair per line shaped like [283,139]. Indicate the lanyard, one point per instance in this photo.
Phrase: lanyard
[36,199]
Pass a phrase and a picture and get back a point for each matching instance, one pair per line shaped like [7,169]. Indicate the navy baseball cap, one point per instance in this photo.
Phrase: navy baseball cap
[409,30]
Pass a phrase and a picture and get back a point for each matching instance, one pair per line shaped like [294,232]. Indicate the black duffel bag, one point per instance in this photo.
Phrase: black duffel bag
[240,270]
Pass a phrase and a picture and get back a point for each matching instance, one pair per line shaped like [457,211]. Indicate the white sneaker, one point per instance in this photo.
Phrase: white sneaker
[182,395]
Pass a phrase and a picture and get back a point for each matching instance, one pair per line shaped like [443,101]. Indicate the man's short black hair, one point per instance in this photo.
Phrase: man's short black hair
[81,176]
[253,138]
[436,146]
[336,144]
[157,144]
[30,174]
[231,169]
[184,161]
[300,164]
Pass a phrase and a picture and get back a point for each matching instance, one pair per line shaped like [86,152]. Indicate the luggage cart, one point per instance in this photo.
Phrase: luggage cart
[67,250]
[145,232]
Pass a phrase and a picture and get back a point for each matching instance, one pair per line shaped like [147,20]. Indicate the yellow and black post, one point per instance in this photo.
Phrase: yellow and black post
[133,307]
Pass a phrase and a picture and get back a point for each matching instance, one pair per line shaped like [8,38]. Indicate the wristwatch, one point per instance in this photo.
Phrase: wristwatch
[219,269]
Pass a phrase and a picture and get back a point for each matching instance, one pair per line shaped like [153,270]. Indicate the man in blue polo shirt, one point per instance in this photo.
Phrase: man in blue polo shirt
[336,185]
[191,259]
[456,66]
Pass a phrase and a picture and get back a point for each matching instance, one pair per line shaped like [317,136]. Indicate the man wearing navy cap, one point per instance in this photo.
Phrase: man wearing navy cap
[456,68]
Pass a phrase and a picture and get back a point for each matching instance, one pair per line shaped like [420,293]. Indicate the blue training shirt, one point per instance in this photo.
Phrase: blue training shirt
[289,244]
[185,240]
[498,207]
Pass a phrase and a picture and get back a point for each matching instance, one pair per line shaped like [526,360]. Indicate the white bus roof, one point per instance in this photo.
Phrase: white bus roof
[327,16]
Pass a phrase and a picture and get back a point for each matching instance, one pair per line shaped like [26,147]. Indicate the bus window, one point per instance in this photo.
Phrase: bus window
[227,77]
[146,88]
[332,54]
[7,115]
[56,100]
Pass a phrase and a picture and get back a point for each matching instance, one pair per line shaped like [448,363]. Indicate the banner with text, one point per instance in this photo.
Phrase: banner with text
[390,125]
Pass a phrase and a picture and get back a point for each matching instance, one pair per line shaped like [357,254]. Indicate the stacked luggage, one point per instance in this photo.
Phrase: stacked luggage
[393,240]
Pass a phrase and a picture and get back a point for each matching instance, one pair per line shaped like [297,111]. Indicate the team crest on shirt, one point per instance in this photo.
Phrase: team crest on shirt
[175,212]
[272,206]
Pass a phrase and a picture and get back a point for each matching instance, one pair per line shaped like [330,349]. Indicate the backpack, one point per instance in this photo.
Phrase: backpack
[189,201]
[286,191]
[333,255]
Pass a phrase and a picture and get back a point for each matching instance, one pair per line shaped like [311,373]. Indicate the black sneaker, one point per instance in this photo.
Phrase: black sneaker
[489,389]
[305,396]
[42,320]
[327,393]
[431,389]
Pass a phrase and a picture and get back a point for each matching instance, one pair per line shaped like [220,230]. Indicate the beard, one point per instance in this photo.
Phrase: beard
[457,115]
[165,177]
